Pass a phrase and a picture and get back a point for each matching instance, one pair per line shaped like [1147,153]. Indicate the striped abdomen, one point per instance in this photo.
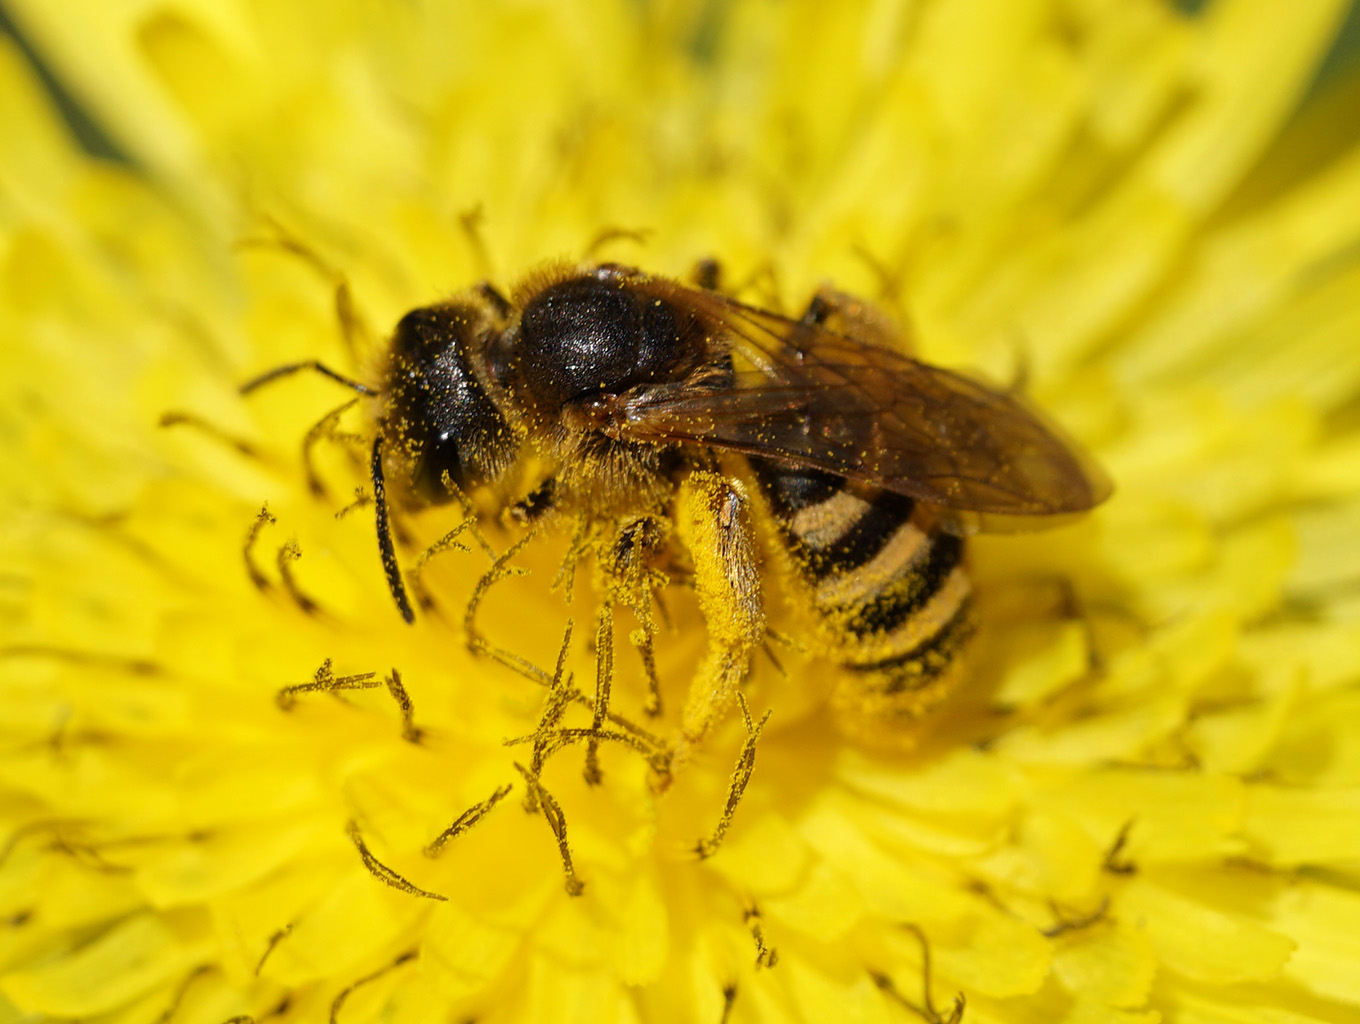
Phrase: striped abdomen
[888,590]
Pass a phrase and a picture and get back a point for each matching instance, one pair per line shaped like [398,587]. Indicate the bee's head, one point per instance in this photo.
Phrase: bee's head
[438,419]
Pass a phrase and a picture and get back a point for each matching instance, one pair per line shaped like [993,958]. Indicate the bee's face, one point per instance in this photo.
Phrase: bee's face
[439,419]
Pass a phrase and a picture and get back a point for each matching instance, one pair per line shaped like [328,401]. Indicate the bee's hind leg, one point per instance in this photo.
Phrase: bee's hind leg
[714,522]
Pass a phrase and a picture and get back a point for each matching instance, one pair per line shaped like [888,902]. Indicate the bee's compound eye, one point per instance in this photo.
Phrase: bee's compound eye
[437,411]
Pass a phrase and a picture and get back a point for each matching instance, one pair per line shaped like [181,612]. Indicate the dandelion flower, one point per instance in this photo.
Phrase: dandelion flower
[234,785]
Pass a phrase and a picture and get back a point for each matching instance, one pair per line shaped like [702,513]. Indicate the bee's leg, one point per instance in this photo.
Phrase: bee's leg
[819,308]
[536,504]
[714,522]
[289,369]
[707,274]
[846,314]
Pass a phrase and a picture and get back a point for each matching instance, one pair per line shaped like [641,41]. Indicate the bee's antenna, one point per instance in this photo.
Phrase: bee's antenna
[311,364]
[385,548]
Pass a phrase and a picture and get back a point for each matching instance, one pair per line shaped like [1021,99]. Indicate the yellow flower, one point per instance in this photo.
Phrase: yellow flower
[1143,805]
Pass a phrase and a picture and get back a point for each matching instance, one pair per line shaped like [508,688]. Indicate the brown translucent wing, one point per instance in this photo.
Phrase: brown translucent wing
[810,397]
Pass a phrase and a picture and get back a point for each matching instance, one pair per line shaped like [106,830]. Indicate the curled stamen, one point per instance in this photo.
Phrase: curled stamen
[262,519]
[477,643]
[353,329]
[927,1011]
[289,553]
[324,430]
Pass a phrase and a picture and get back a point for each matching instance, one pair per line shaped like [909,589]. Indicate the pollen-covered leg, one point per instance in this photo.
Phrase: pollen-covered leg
[714,520]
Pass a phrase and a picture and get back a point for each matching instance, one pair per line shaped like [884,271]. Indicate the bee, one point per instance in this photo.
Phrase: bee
[673,420]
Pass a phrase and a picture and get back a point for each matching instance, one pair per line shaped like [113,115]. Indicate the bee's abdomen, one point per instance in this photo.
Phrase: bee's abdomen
[889,590]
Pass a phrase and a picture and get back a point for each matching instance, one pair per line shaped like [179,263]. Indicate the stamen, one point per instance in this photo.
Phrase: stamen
[272,944]
[263,518]
[746,763]
[466,820]
[476,642]
[175,418]
[927,1011]
[560,694]
[604,677]
[560,738]
[345,993]
[566,571]
[381,871]
[324,430]
[1073,924]
[289,553]
[90,659]
[644,640]
[766,955]
[469,513]
[325,682]
[352,327]
[362,499]
[178,998]
[729,994]
[409,731]
[552,814]
[1113,861]
[448,542]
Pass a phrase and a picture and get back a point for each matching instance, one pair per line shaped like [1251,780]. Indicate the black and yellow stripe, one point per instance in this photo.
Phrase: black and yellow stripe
[887,587]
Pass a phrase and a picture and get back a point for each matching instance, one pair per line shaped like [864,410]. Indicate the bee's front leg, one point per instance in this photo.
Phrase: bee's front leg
[714,522]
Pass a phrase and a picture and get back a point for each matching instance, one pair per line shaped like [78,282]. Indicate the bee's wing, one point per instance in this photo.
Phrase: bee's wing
[807,396]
